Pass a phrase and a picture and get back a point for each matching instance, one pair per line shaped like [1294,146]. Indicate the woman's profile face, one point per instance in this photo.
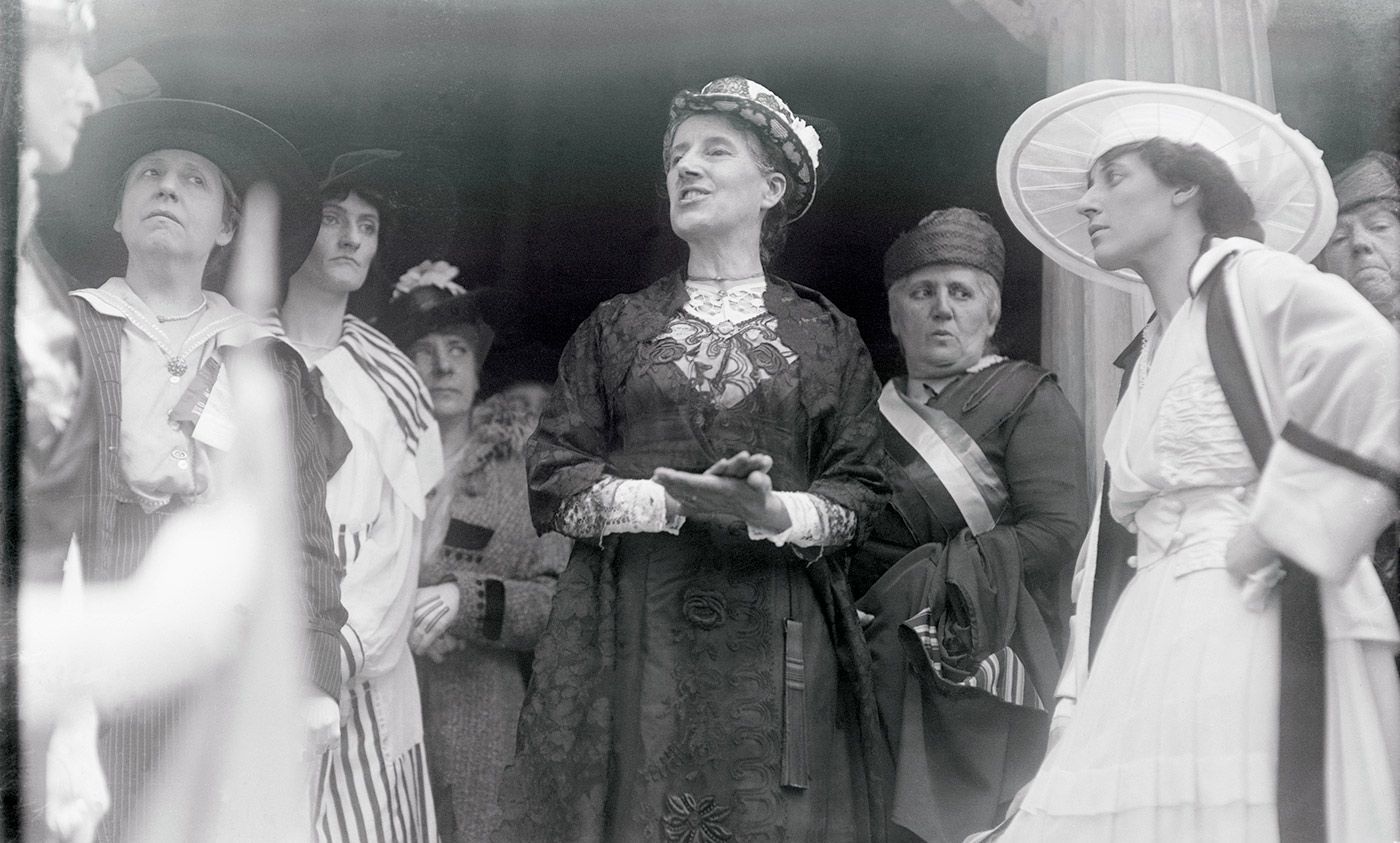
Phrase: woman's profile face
[1129,210]
[58,96]
[714,182]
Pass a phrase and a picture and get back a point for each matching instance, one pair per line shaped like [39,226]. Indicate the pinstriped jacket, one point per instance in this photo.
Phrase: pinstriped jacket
[113,547]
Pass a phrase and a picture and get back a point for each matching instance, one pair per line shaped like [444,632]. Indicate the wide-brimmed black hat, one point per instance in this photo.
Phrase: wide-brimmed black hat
[79,206]
[423,200]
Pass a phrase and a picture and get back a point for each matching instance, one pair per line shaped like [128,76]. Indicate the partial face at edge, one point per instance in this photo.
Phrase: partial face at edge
[1365,250]
[59,95]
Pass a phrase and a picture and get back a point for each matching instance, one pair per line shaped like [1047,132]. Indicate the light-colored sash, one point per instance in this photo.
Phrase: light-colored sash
[964,470]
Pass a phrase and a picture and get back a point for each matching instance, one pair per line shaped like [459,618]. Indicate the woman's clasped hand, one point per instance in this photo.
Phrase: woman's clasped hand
[738,486]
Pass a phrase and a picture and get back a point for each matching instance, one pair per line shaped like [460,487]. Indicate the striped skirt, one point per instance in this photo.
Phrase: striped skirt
[365,796]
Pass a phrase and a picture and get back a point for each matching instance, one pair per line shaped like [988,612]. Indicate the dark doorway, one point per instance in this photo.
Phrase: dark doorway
[548,116]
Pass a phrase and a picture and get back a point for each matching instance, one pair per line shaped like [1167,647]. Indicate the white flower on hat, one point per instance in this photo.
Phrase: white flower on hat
[809,137]
[429,274]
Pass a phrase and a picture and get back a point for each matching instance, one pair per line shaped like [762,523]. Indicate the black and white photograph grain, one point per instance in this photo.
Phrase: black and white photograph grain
[699,421]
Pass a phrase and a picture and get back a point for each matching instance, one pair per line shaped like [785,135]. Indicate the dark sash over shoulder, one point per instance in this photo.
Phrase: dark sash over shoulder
[951,481]
[962,653]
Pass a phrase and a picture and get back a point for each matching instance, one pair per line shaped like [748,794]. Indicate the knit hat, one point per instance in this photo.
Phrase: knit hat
[1372,177]
[950,235]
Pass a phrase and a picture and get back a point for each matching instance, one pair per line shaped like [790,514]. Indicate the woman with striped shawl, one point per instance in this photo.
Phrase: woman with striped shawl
[373,786]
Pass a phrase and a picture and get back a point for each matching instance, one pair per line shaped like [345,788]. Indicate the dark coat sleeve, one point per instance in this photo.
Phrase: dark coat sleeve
[320,567]
[1045,477]
[848,459]
[565,454]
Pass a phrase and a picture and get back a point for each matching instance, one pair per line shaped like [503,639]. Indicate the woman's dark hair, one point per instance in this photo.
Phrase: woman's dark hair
[1226,210]
[773,232]
[383,203]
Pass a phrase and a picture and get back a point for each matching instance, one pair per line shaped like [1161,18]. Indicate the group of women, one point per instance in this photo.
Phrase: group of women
[768,600]
[712,446]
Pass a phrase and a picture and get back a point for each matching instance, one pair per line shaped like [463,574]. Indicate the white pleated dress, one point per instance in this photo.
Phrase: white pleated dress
[1175,733]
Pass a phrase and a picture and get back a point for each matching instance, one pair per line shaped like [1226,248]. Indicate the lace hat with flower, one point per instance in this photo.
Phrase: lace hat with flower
[1047,153]
[427,299]
[808,152]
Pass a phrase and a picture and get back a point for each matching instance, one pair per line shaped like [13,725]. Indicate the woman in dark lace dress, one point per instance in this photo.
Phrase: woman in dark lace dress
[711,446]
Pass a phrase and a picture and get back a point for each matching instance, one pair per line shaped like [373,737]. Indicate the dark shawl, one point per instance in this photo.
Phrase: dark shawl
[961,753]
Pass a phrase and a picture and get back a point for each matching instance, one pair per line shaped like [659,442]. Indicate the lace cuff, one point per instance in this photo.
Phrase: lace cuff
[614,505]
[816,522]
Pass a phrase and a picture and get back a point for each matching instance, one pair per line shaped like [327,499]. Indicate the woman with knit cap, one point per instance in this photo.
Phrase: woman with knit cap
[711,446]
[970,561]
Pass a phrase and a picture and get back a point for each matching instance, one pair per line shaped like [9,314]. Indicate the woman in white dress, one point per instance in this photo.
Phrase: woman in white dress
[374,785]
[1174,734]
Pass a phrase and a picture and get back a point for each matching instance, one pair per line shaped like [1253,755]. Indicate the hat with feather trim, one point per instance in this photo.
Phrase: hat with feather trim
[796,139]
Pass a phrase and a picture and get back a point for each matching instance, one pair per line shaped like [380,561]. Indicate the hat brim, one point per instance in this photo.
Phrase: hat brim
[79,206]
[485,304]
[1047,152]
[772,124]
[424,199]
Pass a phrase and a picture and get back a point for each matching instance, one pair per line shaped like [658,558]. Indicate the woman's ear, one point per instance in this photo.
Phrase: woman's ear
[1185,193]
[226,232]
[775,185]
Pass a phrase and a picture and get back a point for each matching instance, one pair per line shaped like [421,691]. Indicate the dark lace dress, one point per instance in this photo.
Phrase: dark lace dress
[703,686]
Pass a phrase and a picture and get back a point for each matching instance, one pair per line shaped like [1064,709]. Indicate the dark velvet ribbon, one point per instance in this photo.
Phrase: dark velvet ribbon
[1301,795]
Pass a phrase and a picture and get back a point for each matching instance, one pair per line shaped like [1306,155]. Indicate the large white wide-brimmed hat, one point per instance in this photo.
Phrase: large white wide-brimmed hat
[1047,152]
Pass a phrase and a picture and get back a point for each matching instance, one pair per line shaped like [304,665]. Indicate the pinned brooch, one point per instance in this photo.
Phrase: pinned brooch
[429,274]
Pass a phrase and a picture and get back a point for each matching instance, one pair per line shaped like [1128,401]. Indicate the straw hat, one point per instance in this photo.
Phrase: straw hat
[1374,177]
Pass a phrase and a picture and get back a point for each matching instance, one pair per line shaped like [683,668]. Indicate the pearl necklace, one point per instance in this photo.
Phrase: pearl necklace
[174,360]
[199,308]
